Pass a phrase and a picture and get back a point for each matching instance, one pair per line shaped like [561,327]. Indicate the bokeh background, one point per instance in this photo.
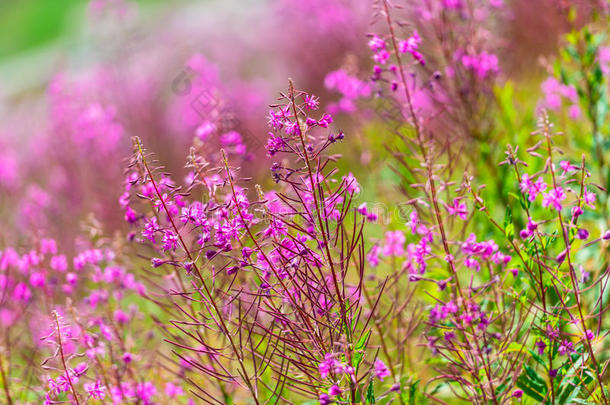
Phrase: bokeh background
[81,78]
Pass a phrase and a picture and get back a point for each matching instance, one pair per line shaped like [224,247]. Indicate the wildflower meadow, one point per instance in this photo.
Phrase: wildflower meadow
[305,202]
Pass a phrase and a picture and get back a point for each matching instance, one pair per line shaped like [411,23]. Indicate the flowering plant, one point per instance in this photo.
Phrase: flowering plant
[378,260]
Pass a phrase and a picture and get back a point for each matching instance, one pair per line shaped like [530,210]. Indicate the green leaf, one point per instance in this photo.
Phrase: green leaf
[359,349]
[509,228]
[413,392]
[370,394]
[362,341]
[532,384]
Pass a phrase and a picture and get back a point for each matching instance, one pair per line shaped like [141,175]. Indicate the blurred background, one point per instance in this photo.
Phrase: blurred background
[80,78]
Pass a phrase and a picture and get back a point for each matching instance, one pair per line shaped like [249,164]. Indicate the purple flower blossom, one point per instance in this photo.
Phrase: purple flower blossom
[170,240]
[531,188]
[96,390]
[554,198]
[373,256]
[540,346]
[334,390]
[589,198]
[150,228]
[381,370]
[483,64]
[566,347]
[589,335]
[394,244]
[351,184]
[411,45]
[529,230]
[458,209]
[376,44]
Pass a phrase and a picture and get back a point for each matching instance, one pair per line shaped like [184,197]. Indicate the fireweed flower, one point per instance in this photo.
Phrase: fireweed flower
[170,241]
[286,242]
[381,370]
[556,93]
[540,346]
[411,45]
[286,271]
[334,390]
[324,399]
[96,390]
[172,390]
[352,185]
[394,244]
[483,64]
[529,230]
[582,234]
[373,256]
[565,347]
[330,365]
[351,89]
[458,209]
[554,198]
[532,188]
[150,229]
[567,167]
[589,198]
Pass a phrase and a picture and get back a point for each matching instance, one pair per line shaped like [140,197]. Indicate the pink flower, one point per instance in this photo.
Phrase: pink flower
[574,111]
[582,234]
[121,317]
[532,188]
[394,243]
[567,166]
[459,209]
[589,198]
[577,211]
[96,390]
[376,44]
[413,222]
[381,57]
[483,64]
[373,256]
[230,138]
[311,102]
[351,184]
[517,394]
[362,209]
[351,89]
[554,198]
[381,370]
[48,246]
[205,130]
[59,263]
[529,231]
[540,345]
[172,390]
[330,364]
[566,347]
[22,292]
[127,357]
[410,45]
[170,241]
[150,228]
[145,391]
[334,390]
[37,279]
